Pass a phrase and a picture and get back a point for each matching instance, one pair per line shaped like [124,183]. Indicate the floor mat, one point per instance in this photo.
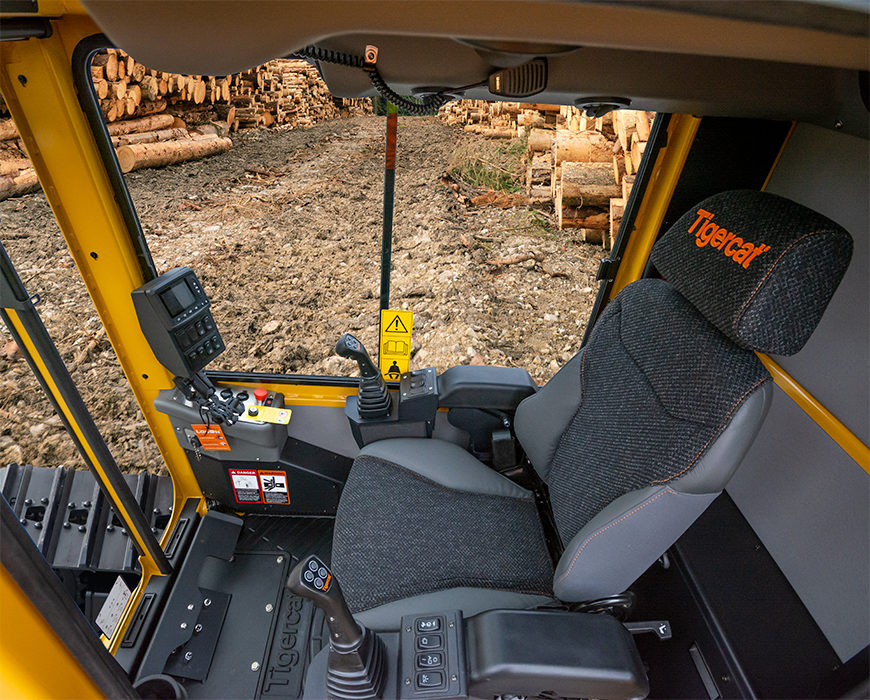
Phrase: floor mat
[299,537]
[260,653]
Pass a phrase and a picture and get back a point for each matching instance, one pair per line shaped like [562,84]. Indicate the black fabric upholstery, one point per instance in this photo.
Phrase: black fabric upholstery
[768,299]
[658,385]
[398,534]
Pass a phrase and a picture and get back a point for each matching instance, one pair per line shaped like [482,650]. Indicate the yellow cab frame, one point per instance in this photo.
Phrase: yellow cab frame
[37,83]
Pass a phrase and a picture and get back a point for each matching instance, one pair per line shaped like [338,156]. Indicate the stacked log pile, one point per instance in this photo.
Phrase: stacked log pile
[148,112]
[279,92]
[585,167]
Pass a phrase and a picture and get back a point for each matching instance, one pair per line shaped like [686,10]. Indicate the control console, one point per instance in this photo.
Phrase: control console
[374,414]
[174,313]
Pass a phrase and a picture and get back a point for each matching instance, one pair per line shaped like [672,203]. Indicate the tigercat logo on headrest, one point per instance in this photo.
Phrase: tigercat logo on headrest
[733,246]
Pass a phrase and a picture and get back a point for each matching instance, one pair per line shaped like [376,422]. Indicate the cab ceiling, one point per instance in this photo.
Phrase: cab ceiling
[785,60]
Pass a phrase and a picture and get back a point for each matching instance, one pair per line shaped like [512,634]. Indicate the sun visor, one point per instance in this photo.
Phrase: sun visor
[200,38]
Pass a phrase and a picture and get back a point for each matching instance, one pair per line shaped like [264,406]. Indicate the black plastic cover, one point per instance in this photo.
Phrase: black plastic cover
[533,652]
[473,386]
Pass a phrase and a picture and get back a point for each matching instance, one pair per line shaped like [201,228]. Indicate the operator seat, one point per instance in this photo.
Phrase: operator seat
[634,437]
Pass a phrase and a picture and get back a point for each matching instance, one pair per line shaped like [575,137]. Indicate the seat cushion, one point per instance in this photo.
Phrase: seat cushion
[400,534]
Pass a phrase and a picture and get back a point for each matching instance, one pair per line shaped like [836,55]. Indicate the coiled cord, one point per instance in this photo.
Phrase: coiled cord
[329,56]
[428,105]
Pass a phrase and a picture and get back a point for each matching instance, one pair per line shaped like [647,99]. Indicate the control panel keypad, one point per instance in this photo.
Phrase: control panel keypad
[200,341]
[432,656]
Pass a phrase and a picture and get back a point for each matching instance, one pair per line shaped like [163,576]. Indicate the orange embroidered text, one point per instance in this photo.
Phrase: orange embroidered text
[733,246]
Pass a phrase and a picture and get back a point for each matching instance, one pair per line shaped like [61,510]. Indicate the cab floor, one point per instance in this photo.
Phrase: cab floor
[261,654]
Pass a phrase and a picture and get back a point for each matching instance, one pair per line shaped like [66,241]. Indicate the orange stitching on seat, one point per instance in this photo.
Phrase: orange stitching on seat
[615,522]
[715,434]
[768,274]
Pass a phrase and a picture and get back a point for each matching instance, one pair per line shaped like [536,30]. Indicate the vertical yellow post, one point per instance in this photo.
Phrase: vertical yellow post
[34,662]
[666,172]
[37,84]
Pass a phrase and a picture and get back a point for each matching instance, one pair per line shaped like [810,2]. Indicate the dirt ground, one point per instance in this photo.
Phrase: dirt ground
[284,231]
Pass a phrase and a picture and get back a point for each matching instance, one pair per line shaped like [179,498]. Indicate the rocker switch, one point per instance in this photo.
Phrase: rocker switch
[428,624]
[430,679]
[431,660]
[429,641]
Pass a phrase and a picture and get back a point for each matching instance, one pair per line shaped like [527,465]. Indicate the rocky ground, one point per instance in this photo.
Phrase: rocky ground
[284,231]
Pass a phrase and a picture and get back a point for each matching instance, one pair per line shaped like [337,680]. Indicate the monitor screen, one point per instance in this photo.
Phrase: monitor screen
[177,298]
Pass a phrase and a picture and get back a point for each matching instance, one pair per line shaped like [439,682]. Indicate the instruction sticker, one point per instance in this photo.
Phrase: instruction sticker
[274,487]
[268,414]
[246,485]
[211,437]
[395,350]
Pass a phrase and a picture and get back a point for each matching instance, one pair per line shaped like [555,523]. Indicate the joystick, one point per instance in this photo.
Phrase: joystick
[373,398]
[356,666]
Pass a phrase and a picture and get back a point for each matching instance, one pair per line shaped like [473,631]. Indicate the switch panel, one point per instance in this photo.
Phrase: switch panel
[418,396]
[432,656]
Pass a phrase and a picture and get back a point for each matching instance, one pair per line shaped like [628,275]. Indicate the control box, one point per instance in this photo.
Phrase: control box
[418,395]
[432,656]
[174,314]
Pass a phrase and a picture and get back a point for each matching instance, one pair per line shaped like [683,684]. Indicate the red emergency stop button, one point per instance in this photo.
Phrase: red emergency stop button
[260,395]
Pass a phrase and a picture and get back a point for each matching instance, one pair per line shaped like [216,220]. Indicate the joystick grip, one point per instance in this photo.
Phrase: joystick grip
[312,579]
[351,348]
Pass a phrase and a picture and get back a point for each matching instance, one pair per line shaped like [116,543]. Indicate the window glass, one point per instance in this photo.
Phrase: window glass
[502,214]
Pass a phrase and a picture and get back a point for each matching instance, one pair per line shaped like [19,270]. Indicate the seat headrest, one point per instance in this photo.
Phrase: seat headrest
[760,267]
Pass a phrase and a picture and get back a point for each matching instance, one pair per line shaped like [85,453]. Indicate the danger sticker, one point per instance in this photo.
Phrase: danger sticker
[246,485]
[211,437]
[274,487]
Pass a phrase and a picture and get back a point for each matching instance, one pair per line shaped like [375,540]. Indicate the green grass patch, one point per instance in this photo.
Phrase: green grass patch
[497,165]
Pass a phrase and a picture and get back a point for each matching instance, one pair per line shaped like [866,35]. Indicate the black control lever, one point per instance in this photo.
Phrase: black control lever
[312,579]
[374,399]
[349,347]
[356,666]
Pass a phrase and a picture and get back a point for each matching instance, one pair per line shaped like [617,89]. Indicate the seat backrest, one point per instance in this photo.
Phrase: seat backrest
[641,430]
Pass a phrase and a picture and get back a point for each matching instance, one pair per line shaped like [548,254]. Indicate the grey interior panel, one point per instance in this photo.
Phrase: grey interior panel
[807,500]
[323,426]
[661,58]
[828,172]
[809,503]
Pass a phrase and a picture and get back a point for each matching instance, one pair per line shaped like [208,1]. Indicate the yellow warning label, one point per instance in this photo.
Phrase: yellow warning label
[395,350]
[268,414]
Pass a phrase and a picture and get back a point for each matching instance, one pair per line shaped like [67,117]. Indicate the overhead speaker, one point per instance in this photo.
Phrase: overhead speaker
[520,81]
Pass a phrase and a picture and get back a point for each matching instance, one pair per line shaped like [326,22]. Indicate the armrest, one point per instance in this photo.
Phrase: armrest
[472,386]
[574,655]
